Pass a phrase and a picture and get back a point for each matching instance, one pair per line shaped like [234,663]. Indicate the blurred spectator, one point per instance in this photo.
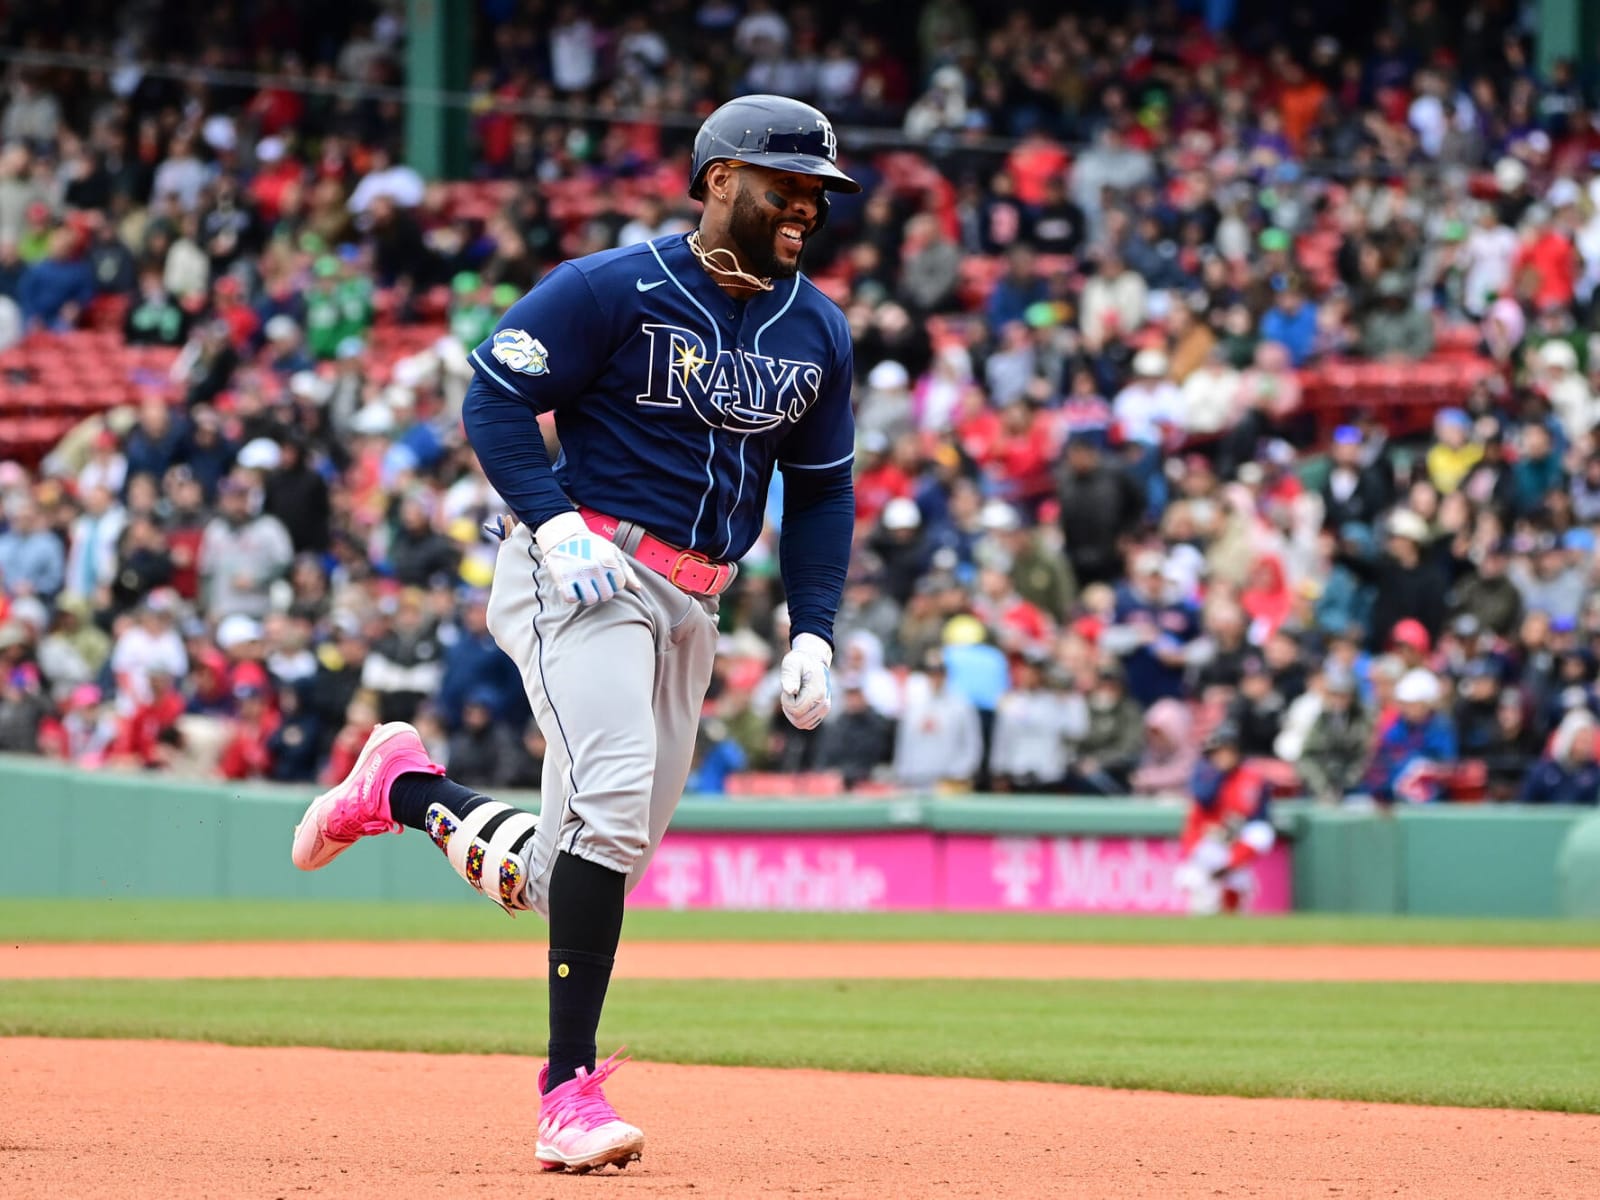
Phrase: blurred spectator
[1416,747]
[1568,774]
[859,741]
[296,495]
[405,664]
[1105,758]
[247,754]
[1396,329]
[1291,321]
[32,562]
[482,751]
[939,743]
[1034,727]
[1333,758]
[1100,504]
[1171,751]
[54,291]
[242,552]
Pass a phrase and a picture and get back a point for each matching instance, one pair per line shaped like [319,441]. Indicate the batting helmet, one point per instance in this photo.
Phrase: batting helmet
[769,131]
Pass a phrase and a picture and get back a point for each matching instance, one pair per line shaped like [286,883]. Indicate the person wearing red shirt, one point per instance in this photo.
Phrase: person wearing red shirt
[246,754]
[1547,264]
[882,479]
[1229,826]
[146,736]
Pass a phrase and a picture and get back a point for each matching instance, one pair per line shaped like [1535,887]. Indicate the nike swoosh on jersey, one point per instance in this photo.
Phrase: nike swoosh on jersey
[645,287]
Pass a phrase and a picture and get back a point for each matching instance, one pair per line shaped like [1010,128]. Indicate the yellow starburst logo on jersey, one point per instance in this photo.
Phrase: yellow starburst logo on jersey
[690,360]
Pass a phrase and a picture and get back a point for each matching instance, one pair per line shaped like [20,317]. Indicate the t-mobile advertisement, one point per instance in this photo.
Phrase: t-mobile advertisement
[973,873]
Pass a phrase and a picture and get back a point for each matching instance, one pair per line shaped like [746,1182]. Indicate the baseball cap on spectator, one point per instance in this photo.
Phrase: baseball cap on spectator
[482,697]
[901,513]
[219,132]
[1000,517]
[31,611]
[1466,626]
[1403,523]
[1574,697]
[260,454]
[270,149]
[374,420]
[1509,174]
[1582,541]
[238,630]
[85,695]
[1417,687]
[281,328]
[248,691]
[13,633]
[1479,668]
[1251,474]
[1347,435]
[1410,632]
[1274,239]
[963,630]
[1150,363]
[888,376]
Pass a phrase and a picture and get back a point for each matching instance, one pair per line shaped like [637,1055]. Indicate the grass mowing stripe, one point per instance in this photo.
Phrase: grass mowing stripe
[1519,1046]
[124,920]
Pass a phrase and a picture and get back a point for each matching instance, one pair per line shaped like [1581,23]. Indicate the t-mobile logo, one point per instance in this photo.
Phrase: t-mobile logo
[675,875]
[1017,868]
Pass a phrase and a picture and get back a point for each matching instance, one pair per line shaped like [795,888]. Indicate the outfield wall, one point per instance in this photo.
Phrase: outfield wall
[89,834]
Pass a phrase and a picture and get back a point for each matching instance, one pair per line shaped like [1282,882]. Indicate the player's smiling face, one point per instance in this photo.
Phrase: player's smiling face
[774,212]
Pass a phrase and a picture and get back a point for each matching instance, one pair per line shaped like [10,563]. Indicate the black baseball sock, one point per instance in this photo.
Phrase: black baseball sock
[411,795]
[586,903]
[415,792]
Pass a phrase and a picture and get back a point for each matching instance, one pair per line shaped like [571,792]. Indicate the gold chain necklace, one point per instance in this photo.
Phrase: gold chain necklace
[710,261]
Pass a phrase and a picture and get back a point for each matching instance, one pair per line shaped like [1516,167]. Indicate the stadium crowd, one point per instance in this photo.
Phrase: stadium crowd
[1095,266]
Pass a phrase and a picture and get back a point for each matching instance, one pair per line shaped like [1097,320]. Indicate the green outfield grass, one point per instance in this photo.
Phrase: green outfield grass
[119,920]
[1523,1046]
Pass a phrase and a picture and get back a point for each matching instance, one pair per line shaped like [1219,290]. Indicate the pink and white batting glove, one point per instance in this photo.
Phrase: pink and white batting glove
[585,567]
[803,676]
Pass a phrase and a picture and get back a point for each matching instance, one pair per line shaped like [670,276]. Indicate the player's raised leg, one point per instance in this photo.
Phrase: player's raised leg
[394,785]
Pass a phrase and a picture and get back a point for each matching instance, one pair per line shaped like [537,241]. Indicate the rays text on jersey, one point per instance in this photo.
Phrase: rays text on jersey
[736,390]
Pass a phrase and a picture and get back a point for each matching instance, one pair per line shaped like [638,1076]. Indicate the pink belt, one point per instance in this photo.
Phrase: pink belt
[688,570]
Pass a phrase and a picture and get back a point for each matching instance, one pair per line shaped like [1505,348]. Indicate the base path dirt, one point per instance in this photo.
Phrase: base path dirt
[808,960]
[129,1120]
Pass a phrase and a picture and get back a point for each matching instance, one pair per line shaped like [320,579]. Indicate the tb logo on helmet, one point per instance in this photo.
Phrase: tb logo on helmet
[734,390]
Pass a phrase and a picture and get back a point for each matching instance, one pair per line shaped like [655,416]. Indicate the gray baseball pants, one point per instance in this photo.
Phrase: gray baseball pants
[616,689]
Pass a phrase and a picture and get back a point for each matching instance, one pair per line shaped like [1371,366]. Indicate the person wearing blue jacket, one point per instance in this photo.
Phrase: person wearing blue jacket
[55,289]
[1416,745]
[1568,774]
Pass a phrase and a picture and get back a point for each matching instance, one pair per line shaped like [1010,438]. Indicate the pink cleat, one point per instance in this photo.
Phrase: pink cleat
[360,805]
[578,1128]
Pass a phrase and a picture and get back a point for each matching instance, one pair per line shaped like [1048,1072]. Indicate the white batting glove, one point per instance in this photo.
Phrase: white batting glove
[803,677]
[586,568]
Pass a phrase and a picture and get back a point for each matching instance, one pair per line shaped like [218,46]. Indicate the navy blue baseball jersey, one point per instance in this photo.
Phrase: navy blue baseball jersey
[673,401]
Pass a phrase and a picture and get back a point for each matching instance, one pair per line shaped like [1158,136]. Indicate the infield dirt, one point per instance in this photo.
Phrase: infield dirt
[91,1119]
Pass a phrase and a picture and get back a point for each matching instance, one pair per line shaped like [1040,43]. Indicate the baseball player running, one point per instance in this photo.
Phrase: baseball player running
[681,372]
